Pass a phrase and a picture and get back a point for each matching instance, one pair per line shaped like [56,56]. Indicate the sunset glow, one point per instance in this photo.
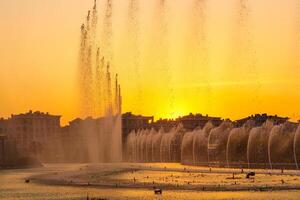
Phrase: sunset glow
[165,72]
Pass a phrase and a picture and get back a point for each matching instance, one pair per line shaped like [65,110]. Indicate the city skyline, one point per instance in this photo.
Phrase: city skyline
[153,118]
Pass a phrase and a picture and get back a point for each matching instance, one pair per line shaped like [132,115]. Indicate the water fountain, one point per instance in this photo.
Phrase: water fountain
[187,147]
[200,141]
[102,137]
[156,143]
[236,153]
[149,145]
[106,38]
[296,147]
[217,143]
[133,47]
[194,146]
[235,146]
[130,147]
[139,140]
[280,146]
[250,145]
[165,153]
[170,149]
[257,149]
[145,137]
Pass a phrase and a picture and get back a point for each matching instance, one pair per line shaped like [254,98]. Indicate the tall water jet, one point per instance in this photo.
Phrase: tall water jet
[244,57]
[87,61]
[217,143]
[116,148]
[200,141]
[102,136]
[99,84]
[92,140]
[85,69]
[280,146]
[196,48]
[161,47]
[257,148]
[198,29]
[94,17]
[236,153]
[107,31]
[134,47]
[86,88]
[202,47]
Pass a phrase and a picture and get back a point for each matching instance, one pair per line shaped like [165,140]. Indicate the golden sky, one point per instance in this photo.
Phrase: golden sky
[219,62]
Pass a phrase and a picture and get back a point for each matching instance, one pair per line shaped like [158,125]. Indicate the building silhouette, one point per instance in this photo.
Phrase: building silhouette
[41,135]
[259,119]
[33,134]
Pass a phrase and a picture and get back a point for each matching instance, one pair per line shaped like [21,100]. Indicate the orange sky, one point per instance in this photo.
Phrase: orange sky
[40,44]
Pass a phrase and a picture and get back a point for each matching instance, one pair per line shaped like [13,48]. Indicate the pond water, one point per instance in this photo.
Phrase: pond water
[13,187]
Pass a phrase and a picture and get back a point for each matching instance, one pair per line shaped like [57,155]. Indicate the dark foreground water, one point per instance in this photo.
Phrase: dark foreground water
[13,187]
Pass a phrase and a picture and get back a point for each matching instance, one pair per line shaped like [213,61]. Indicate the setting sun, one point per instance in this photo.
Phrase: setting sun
[149,99]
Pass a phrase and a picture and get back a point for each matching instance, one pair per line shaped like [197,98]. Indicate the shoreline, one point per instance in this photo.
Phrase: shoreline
[173,188]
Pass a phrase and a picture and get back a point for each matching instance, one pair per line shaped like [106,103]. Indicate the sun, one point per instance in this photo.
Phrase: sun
[177,111]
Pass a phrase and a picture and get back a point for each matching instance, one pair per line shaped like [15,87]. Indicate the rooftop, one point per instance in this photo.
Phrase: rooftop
[34,114]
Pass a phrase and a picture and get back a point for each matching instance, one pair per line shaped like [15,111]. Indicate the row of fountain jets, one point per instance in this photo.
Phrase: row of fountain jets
[267,146]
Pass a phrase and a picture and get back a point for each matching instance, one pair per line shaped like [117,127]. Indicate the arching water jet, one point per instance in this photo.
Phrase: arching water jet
[280,146]
[257,148]
[236,153]
[187,148]
[217,143]
[200,141]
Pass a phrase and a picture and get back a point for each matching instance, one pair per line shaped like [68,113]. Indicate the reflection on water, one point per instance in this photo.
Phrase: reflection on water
[12,186]
[208,179]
